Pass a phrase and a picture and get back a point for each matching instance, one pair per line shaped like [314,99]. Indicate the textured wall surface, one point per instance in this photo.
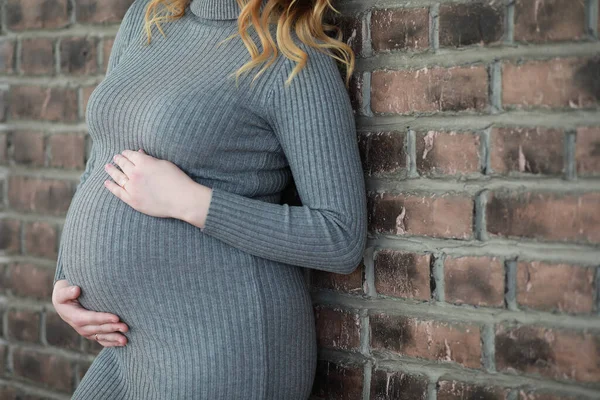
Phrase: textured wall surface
[479,129]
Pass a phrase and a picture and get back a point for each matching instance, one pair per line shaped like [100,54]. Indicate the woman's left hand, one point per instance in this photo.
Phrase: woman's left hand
[150,185]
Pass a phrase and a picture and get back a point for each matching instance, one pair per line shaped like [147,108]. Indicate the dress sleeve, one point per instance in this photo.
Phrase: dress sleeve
[314,123]
[129,25]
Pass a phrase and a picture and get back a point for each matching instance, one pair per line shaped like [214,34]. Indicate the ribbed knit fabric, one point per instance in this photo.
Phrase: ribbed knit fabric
[221,312]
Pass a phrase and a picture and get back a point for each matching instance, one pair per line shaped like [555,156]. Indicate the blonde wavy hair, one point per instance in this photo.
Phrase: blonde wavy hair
[304,16]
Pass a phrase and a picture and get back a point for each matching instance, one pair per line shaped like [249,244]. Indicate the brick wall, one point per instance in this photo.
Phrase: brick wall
[479,129]
[479,133]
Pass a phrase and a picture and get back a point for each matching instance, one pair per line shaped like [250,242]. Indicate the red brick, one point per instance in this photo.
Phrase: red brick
[479,23]
[546,216]
[67,150]
[553,353]
[448,153]
[28,280]
[430,89]
[3,148]
[532,150]
[36,14]
[523,395]
[349,283]
[382,152]
[573,81]
[587,151]
[433,340]
[338,381]
[456,390]
[107,44]
[24,325]
[50,370]
[355,92]
[10,235]
[402,274]
[337,328]
[449,216]
[549,20]
[101,11]
[400,29]
[478,281]
[4,104]
[61,334]
[3,352]
[41,239]
[561,287]
[352,33]
[7,56]
[86,92]
[45,103]
[28,148]
[39,195]
[78,55]
[389,385]
[37,56]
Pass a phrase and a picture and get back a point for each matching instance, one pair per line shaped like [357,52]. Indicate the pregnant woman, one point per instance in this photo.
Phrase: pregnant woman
[177,253]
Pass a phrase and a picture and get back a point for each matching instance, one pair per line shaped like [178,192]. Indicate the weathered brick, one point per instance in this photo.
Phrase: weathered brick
[44,103]
[355,92]
[549,287]
[471,23]
[7,56]
[389,385]
[39,195]
[24,325]
[107,44]
[10,232]
[51,370]
[575,83]
[4,104]
[28,148]
[402,274]
[67,150]
[338,381]
[3,352]
[78,55]
[433,340]
[60,334]
[478,281]
[447,153]
[28,280]
[449,216]
[532,150]
[553,353]
[41,239]
[349,283]
[37,14]
[549,20]
[351,27]
[400,29]
[37,56]
[86,92]
[339,329]
[587,151]
[83,367]
[544,215]
[101,11]
[529,395]
[430,89]
[456,390]
[382,152]
[3,148]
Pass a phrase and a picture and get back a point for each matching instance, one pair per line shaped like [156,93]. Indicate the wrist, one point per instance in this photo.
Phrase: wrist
[194,204]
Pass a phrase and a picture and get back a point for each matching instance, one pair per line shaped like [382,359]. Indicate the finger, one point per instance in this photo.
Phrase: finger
[66,293]
[134,156]
[87,330]
[111,337]
[124,163]
[116,174]
[81,317]
[142,151]
[117,190]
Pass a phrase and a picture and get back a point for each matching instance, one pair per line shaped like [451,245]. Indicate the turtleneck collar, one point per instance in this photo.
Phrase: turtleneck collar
[217,9]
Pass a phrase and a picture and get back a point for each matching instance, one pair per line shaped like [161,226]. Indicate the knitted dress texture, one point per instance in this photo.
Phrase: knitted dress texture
[222,312]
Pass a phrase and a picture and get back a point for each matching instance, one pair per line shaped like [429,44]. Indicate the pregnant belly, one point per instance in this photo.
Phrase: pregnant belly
[165,278]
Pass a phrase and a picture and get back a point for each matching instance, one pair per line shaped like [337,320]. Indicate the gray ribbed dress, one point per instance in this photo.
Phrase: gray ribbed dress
[221,312]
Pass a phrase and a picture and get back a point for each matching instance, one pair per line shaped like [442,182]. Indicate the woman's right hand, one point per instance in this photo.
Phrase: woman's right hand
[86,322]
